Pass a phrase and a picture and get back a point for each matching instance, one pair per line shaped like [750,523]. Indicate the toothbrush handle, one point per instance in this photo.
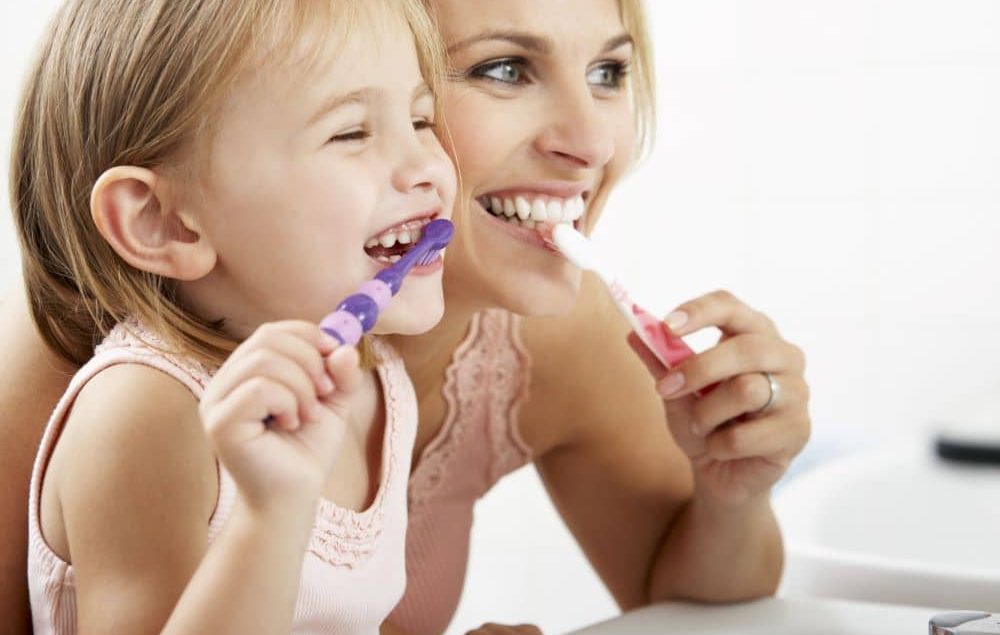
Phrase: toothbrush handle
[668,348]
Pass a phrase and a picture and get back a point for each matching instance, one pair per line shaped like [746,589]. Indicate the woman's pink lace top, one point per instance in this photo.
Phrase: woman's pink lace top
[353,573]
[479,443]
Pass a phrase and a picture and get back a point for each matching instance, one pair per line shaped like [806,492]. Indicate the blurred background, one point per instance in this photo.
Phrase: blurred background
[835,163]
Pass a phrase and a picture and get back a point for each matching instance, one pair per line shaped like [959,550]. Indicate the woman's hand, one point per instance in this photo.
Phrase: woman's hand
[738,448]
[276,411]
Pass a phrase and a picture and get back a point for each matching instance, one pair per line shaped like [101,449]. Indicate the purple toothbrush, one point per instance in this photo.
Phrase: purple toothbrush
[358,313]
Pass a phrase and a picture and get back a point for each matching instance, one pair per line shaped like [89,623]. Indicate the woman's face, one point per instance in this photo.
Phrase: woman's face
[540,121]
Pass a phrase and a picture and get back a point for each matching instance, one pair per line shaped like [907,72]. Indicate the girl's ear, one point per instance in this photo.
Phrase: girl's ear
[134,212]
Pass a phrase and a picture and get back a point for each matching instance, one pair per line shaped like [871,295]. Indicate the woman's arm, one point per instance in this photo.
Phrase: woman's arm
[626,481]
[31,381]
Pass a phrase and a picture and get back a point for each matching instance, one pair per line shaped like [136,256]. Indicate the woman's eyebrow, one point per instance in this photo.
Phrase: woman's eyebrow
[520,38]
[529,42]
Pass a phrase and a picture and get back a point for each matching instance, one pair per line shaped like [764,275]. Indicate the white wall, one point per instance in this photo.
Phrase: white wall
[833,162]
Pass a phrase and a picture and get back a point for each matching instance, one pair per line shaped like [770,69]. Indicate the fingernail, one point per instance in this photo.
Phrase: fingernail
[671,384]
[695,430]
[676,320]
[328,340]
[314,412]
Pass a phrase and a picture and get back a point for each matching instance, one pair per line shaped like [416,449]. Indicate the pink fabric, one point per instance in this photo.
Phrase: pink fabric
[353,573]
[479,443]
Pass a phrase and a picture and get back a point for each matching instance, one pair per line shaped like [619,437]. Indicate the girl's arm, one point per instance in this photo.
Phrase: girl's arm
[660,512]
[136,478]
[31,380]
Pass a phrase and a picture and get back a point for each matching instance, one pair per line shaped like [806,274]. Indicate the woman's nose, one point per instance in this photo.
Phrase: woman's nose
[577,132]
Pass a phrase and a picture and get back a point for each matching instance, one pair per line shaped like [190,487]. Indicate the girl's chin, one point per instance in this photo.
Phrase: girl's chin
[410,319]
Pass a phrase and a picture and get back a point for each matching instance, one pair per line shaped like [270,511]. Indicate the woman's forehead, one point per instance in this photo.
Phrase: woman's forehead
[554,20]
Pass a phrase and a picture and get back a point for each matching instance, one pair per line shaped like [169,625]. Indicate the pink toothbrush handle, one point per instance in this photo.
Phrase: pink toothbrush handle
[669,348]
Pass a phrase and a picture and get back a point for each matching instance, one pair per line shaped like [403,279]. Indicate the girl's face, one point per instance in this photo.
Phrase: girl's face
[320,173]
[541,126]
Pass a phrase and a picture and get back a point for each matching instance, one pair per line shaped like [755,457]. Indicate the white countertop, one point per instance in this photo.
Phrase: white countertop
[774,616]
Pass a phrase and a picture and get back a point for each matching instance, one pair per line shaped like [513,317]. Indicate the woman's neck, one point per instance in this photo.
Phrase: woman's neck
[427,355]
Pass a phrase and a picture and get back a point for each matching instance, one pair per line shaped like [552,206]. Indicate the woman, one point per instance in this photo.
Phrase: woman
[667,493]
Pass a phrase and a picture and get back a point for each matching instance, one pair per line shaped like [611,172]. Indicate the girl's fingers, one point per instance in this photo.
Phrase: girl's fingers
[253,401]
[267,364]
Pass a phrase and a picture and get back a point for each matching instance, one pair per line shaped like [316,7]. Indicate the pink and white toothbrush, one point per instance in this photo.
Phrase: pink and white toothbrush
[578,249]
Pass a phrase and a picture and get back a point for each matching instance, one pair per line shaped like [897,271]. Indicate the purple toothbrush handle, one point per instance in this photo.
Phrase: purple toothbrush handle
[359,312]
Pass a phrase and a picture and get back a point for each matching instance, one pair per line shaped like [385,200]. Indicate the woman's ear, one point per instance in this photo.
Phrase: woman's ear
[134,212]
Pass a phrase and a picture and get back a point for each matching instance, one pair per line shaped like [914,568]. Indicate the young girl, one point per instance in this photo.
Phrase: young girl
[190,175]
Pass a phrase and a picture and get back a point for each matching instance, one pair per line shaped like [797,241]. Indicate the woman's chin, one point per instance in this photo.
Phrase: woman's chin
[542,293]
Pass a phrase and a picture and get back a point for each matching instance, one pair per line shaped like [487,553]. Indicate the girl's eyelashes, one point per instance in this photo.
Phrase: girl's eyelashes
[424,124]
[353,135]
[361,134]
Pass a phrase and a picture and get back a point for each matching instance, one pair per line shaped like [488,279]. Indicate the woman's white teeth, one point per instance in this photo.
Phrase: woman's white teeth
[540,210]
[404,237]
[523,208]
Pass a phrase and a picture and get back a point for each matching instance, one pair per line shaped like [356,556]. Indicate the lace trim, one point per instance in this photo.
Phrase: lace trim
[340,537]
[485,362]
[346,538]
[132,334]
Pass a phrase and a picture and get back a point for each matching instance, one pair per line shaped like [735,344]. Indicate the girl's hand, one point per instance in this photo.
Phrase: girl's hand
[737,449]
[276,411]
[500,629]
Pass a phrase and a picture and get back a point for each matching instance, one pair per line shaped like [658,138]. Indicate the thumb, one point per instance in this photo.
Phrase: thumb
[344,368]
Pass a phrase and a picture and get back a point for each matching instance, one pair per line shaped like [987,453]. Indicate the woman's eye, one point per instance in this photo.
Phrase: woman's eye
[506,71]
[423,124]
[608,75]
[353,135]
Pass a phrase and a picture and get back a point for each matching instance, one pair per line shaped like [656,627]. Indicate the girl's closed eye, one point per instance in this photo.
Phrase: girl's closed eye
[423,123]
[353,135]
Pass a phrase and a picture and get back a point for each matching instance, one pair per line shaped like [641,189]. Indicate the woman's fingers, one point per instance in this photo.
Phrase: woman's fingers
[720,309]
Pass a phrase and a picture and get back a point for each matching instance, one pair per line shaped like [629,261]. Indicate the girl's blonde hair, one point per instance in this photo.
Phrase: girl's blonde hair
[127,82]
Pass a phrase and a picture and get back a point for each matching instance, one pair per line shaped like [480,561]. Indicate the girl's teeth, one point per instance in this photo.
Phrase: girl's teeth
[395,259]
[497,205]
[403,235]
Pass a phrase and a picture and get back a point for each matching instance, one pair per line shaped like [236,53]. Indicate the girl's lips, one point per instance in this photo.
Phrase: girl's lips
[429,269]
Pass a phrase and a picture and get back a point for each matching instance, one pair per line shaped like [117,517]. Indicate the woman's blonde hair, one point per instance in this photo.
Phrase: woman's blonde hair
[127,82]
[643,83]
